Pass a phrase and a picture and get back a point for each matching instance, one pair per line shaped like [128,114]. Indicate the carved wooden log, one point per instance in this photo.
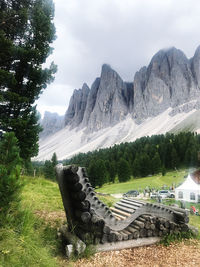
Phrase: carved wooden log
[149,218]
[73,179]
[130,234]
[141,219]
[106,229]
[181,217]
[172,225]
[167,224]
[80,196]
[138,223]
[76,187]
[149,233]
[184,227]
[104,238]
[143,232]
[83,206]
[134,231]
[147,224]
[112,237]
[124,235]
[84,216]
[152,226]
[119,236]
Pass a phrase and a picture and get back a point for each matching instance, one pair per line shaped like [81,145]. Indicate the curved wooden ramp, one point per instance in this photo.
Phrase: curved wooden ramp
[94,222]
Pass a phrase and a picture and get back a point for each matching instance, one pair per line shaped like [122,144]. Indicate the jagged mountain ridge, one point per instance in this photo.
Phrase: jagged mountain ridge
[171,79]
[169,85]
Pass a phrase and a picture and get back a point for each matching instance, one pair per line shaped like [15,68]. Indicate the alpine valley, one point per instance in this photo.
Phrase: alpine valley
[163,97]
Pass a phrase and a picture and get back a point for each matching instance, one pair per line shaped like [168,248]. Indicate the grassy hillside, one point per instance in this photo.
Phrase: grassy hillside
[156,181]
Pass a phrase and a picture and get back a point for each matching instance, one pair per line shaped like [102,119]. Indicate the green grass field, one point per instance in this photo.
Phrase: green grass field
[155,181]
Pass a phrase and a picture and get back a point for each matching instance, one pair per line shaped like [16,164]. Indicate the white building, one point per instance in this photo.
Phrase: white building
[189,190]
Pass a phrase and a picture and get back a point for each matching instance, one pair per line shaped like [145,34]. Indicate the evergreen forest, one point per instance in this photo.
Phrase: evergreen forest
[146,156]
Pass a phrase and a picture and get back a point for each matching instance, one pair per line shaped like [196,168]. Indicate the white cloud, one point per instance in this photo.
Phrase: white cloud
[124,34]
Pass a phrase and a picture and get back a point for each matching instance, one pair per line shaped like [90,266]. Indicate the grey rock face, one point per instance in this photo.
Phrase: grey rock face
[195,66]
[91,101]
[77,105]
[167,82]
[111,104]
[51,123]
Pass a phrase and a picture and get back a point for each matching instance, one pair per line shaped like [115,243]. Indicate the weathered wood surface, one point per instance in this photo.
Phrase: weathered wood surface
[129,219]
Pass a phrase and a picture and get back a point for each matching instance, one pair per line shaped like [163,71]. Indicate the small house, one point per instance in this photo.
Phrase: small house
[189,190]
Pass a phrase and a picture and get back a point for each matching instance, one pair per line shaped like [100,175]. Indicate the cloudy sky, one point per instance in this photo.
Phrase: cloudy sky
[123,33]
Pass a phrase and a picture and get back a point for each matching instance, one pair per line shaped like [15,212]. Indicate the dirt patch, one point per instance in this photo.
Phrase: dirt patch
[53,218]
[182,254]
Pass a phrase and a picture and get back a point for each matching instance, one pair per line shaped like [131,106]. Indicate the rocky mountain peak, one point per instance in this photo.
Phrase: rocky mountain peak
[110,106]
[170,80]
[51,123]
[195,66]
[77,105]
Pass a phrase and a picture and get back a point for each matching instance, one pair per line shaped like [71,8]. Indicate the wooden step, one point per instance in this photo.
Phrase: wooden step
[120,212]
[124,208]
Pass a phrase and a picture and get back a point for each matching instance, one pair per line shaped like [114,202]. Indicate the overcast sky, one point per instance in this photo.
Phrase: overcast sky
[123,33]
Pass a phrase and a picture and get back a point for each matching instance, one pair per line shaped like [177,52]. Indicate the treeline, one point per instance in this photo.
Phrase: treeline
[145,156]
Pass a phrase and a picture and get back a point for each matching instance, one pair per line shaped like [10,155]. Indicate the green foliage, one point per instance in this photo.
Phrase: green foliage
[156,163]
[112,171]
[147,155]
[26,32]
[97,173]
[26,241]
[124,171]
[172,238]
[49,167]
[10,184]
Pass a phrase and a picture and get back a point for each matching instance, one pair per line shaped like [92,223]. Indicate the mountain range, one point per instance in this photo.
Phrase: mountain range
[164,96]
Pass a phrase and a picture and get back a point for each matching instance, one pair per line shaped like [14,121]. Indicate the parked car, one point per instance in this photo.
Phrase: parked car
[154,195]
[172,194]
[164,193]
[131,193]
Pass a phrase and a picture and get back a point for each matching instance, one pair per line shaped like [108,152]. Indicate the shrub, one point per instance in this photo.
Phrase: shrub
[9,172]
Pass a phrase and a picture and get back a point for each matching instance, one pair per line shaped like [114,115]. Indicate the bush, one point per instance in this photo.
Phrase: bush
[9,172]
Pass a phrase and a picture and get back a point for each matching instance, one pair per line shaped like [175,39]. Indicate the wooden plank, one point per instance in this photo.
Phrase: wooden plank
[122,213]
[125,205]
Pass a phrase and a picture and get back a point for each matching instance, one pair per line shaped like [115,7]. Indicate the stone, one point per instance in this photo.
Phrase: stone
[77,105]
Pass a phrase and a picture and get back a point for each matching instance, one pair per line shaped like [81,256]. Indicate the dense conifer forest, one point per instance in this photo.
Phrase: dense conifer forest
[145,156]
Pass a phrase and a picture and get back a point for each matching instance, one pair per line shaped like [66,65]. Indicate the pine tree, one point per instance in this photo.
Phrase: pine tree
[54,160]
[26,32]
[124,171]
[156,163]
[49,167]
[174,158]
[112,171]
[9,172]
[98,173]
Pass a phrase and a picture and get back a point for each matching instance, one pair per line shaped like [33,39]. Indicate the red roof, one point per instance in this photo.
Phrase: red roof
[196,176]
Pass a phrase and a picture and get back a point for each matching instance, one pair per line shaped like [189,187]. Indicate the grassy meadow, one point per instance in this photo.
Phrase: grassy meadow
[155,181]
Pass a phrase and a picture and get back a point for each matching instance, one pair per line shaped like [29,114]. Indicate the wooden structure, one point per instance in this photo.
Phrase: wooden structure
[94,222]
